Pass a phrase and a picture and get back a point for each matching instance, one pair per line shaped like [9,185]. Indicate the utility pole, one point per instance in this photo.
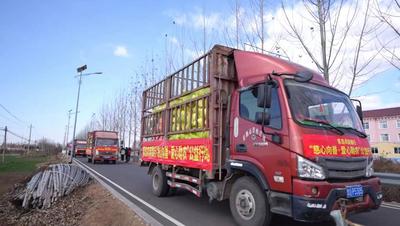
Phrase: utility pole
[204,29]
[65,136]
[79,70]
[130,118]
[76,110]
[135,119]
[69,117]
[29,140]
[5,142]
[166,55]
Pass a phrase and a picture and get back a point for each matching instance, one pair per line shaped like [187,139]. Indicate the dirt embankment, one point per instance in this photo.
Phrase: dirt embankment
[9,179]
[105,209]
[89,205]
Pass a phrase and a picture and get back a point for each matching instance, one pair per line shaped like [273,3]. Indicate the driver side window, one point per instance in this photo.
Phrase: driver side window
[248,107]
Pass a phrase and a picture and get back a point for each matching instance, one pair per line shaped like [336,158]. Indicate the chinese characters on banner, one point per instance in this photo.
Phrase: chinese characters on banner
[322,145]
[194,153]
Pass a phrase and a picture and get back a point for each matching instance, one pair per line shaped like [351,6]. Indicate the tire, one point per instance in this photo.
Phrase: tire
[248,203]
[159,183]
[114,162]
[89,160]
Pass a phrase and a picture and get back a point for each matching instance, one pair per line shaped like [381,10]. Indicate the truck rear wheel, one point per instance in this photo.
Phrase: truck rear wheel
[160,186]
[248,203]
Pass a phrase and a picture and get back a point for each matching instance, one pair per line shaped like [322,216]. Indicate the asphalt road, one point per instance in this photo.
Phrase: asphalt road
[187,209]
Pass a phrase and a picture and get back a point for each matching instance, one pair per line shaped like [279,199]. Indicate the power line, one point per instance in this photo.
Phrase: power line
[19,136]
[12,114]
[15,134]
[12,120]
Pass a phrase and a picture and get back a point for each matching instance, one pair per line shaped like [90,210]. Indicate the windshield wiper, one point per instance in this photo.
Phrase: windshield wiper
[330,126]
[358,132]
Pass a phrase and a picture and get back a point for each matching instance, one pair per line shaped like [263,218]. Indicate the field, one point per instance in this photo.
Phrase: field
[17,163]
[16,168]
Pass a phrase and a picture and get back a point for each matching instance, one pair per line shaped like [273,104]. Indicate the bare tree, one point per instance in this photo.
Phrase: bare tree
[322,17]
[344,32]
[388,13]
[360,68]
[259,30]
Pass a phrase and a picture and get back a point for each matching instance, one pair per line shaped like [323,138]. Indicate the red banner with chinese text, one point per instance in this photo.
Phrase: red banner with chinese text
[335,146]
[193,153]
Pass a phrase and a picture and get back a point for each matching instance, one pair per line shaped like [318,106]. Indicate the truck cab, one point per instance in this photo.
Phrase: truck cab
[304,137]
[80,148]
[270,135]
[102,146]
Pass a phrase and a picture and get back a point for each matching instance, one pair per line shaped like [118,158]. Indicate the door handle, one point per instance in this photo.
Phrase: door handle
[241,148]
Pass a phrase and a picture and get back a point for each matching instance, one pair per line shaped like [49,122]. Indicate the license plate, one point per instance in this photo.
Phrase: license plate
[354,191]
[106,157]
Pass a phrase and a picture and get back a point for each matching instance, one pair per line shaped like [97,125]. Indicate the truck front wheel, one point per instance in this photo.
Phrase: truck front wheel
[248,203]
[159,182]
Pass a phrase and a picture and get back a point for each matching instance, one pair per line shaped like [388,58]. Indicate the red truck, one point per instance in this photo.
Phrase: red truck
[80,147]
[269,135]
[102,146]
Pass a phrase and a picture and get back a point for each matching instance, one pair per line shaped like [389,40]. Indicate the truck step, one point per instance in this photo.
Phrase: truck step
[184,177]
[184,186]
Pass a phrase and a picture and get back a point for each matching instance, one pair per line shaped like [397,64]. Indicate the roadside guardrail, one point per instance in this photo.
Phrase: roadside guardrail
[388,178]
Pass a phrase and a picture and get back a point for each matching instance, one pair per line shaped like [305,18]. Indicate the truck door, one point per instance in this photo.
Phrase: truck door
[250,144]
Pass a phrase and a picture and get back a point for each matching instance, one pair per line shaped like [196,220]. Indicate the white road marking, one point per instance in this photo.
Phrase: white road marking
[155,209]
[393,204]
[395,207]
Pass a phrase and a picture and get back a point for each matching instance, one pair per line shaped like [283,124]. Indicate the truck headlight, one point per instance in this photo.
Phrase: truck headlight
[97,152]
[369,171]
[308,169]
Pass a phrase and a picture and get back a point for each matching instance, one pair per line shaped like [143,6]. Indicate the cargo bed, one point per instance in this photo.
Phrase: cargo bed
[184,116]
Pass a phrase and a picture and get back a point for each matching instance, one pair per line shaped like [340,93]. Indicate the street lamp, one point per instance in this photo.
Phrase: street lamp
[79,70]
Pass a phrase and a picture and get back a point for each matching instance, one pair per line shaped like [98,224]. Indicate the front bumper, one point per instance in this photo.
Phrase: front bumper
[308,208]
[105,158]
[80,152]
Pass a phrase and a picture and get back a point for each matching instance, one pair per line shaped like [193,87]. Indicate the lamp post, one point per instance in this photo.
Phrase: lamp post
[79,70]
[67,129]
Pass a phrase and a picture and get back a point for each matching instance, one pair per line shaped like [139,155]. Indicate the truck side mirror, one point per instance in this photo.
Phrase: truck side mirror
[358,108]
[263,118]
[359,112]
[264,96]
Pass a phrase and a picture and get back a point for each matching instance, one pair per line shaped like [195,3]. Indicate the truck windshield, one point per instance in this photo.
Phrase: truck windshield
[81,146]
[311,103]
[106,142]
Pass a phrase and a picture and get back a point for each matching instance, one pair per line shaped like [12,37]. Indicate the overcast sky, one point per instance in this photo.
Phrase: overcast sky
[43,42]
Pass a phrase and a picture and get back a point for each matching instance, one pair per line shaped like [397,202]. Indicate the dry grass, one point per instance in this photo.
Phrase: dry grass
[391,193]
[386,166]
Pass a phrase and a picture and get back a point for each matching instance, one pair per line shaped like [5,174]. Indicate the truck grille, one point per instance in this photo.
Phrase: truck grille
[343,168]
[107,153]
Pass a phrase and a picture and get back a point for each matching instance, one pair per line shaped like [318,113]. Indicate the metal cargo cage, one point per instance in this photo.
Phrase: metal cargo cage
[192,102]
